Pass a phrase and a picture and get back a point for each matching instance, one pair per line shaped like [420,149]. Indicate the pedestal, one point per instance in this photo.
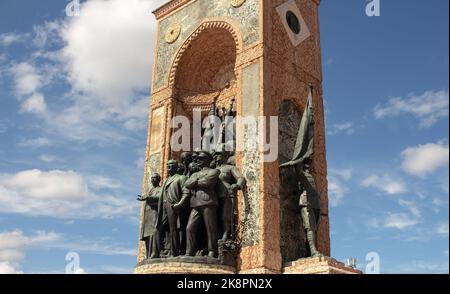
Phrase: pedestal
[185,266]
[318,265]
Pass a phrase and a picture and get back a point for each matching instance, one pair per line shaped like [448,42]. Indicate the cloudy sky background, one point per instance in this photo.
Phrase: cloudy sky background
[73,119]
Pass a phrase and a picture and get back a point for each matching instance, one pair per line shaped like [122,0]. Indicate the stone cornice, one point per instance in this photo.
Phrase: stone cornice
[169,7]
[175,4]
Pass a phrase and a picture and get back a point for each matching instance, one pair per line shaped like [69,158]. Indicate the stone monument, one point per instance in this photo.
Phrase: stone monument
[233,210]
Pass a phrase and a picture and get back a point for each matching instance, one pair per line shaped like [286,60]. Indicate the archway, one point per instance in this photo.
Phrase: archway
[204,71]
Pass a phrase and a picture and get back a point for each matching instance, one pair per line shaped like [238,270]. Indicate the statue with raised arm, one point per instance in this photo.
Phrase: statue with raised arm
[204,203]
[309,202]
[151,199]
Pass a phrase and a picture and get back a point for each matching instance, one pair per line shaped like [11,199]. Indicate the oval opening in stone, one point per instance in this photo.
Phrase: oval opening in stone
[293,22]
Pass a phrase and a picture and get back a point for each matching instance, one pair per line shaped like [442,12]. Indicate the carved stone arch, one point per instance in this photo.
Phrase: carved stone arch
[209,23]
[204,64]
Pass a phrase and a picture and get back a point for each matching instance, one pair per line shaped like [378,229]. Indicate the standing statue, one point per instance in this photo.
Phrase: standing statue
[151,200]
[228,127]
[301,162]
[186,159]
[183,170]
[230,181]
[173,194]
[204,203]
[211,129]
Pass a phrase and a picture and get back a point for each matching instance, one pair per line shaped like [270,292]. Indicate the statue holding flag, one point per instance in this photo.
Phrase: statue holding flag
[301,162]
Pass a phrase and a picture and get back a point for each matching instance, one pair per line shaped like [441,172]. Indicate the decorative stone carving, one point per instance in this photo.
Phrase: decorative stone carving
[237,3]
[172,33]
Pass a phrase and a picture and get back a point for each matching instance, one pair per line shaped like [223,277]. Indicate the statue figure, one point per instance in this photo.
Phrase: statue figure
[210,130]
[204,204]
[230,181]
[173,194]
[183,170]
[228,128]
[151,200]
[186,159]
[301,162]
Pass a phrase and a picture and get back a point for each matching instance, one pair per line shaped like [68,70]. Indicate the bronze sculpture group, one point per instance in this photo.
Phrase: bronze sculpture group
[194,210]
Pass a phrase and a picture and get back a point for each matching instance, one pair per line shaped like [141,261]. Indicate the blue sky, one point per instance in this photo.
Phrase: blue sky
[74,98]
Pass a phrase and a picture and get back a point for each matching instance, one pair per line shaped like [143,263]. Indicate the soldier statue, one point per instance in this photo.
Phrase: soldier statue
[186,159]
[204,203]
[230,181]
[173,194]
[151,200]
[301,162]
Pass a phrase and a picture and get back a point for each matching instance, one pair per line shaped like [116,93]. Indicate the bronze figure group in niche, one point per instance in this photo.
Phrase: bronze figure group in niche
[194,210]
[193,213]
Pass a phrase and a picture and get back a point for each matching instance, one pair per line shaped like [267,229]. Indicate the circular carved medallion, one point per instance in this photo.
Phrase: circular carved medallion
[237,3]
[173,32]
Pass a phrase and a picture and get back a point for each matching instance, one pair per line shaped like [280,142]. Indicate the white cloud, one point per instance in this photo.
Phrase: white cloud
[45,33]
[8,269]
[342,128]
[108,53]
[385,184]
[28,82]
[59,194]
[421,267]
[34,143]
[429,107]
[41,185]
[337,189]
[47,158]
[412,207]
[102,182]
[14,244]
[442,229]
[108,48]
[27,78]
[80,271]
[105,55]
[35,104]
[8,39]
[425,159]
[400,221]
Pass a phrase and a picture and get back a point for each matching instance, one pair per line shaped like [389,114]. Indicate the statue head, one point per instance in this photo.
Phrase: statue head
[181,169]
[186,158]
[193,167]
[156,179]
[232,160]
[204,159]
[194,154]
[220,157]
[172,167]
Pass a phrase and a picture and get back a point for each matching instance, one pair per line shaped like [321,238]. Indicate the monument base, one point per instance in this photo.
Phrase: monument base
[183,265]
[319,265]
